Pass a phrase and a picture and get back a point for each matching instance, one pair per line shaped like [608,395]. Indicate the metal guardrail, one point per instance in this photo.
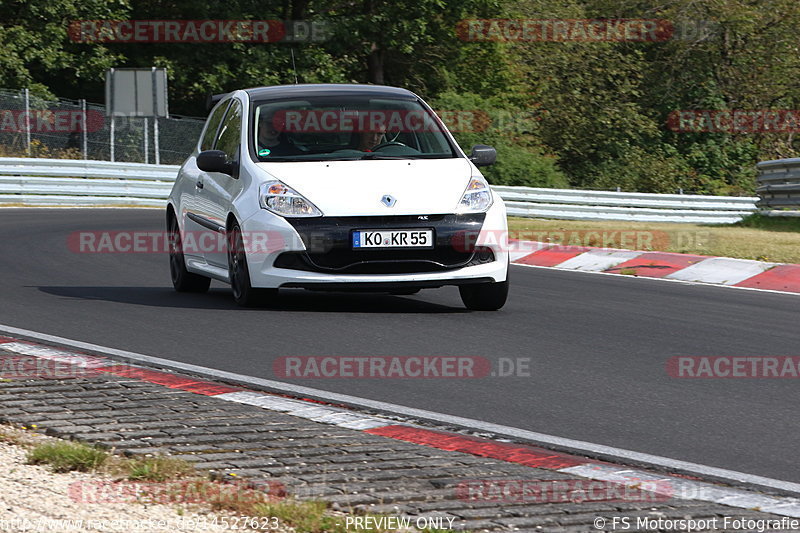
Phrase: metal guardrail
[573,204]
[64,182]
[69,182]
[779,187]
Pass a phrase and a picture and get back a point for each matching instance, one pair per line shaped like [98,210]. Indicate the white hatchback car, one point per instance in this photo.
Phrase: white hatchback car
[335,187]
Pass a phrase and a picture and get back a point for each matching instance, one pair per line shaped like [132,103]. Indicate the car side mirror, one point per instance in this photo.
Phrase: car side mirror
[483,156]
[214,161]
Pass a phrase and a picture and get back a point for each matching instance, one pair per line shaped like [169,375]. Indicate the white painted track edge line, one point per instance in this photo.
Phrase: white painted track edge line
[574,446]
[666,280]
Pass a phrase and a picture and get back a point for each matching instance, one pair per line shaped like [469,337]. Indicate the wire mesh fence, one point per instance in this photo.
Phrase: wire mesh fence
[75,129]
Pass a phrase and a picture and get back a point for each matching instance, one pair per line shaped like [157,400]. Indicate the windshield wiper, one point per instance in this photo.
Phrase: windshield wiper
[375,155]
[294,159]
[367,156]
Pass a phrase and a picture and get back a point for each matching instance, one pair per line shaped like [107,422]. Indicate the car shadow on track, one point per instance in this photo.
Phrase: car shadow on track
[289,300]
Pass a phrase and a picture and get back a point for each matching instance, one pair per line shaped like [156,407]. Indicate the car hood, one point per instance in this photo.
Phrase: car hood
[353,188]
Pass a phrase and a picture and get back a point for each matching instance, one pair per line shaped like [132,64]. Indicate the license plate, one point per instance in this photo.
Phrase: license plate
[393,238]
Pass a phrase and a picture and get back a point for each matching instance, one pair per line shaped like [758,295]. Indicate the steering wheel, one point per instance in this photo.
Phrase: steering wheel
[388,143]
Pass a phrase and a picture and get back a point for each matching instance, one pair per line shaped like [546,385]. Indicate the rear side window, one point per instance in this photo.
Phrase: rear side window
[211,127]
[230,132]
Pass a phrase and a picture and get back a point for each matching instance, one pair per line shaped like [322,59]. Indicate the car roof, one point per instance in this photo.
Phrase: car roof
[328,89]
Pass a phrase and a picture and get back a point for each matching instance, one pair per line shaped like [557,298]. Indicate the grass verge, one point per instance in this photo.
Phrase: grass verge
[154,469]
[65,456]
[242,498]
[756,237]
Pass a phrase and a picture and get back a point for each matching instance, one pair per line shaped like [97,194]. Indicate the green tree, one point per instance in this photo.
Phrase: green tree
[38,54]
[512,132]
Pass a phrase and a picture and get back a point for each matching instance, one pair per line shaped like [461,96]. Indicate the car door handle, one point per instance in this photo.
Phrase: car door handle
[199,184]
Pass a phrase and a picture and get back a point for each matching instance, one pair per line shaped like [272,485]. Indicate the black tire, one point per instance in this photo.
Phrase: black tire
[243,293]
[484,296]
[182,279]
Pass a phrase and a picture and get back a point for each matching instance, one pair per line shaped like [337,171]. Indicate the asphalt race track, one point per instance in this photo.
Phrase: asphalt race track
[598,344]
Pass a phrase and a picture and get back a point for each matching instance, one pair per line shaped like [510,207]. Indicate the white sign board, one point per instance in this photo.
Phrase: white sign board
[132,92]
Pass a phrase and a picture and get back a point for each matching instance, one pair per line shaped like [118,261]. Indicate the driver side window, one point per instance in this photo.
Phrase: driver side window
[211,127]
[230,132]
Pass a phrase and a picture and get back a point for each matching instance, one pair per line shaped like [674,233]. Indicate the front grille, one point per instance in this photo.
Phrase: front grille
[329,249]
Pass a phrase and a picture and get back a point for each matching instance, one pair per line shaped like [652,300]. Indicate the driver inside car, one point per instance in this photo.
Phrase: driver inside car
[370,139]
[272,137]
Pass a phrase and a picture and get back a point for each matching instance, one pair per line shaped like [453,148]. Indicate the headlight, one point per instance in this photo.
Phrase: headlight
[477,198]
[285,201]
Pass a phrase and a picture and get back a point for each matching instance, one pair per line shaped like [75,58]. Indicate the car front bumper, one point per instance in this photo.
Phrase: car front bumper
[317,253]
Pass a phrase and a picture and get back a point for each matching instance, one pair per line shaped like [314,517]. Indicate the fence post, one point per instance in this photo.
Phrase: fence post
[155,116]
[84,122]
[110,110]
[146,139]
[27,122]
[155,141]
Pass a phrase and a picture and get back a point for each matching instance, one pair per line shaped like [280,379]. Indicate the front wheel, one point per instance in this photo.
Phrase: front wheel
[484,296]
[244,294]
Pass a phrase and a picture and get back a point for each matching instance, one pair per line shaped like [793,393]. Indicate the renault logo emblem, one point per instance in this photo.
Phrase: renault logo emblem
[388,200]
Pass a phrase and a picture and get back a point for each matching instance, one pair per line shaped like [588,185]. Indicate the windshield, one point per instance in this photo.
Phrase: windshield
[334,128]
